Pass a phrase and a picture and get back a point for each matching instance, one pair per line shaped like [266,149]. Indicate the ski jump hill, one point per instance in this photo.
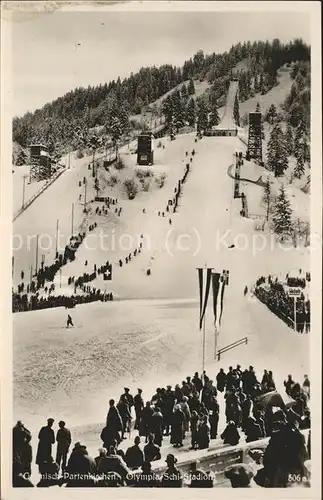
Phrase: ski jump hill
[150,337]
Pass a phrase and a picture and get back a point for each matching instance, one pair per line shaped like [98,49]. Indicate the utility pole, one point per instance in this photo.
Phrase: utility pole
[56,242]
[85,186]
[23,190]
[72,228]
[37,254]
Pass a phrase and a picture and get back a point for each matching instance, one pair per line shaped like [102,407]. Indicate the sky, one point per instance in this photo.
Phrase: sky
[55,52]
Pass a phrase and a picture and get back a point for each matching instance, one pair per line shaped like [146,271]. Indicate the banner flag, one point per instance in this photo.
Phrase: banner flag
[222,296]
[203,305]
[215,287]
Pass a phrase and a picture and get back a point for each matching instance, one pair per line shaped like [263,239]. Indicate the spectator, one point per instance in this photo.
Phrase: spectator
[139,405]
[169,401]
[134,456]
[145,421]
[197,382]
[253,430]
[187,414]
[116,466]
[80,468]
[177,427]
[147,478]
[26,455]
[194,432]
[46,438]
[306,386]
[239,475]
[214,417]
[289,384]
[203,434]
[20,434]
[63,438]
[221,379]
[172,478]
[151,450]
[230,435]
[157,426]
[113,426]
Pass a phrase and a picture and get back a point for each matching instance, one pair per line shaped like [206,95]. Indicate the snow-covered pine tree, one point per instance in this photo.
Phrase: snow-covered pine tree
[267,198]
[277,157]
[191,87]
[214,118]
[282,215]
[299,169]
[289,139]
[179,110]
[191,112]
[302,147]
[202,115]
[184,92]
[236,112]
[272,114]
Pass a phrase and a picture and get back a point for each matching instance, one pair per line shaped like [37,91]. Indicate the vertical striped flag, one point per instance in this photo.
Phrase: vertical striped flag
[204,293]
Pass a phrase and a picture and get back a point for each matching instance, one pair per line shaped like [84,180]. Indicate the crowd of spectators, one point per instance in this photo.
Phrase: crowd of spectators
[190,408]
[275,296]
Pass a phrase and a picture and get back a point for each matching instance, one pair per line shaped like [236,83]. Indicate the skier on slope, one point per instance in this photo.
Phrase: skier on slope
[69,321]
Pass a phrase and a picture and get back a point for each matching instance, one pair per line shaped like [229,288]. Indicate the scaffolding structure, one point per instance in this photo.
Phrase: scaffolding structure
[40,163]
[254,137]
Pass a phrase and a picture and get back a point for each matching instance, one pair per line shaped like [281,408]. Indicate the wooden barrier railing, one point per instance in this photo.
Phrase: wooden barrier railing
[244,340]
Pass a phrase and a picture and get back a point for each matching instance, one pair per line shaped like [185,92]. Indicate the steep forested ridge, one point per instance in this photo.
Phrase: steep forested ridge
[66,121]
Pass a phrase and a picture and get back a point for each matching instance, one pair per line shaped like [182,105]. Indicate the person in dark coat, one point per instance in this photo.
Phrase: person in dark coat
[288,384]
[80,467]
[178,418]
[46,438]
[203,434]
[64,439]
[151,450]
[145,421]
[194,427]
[172,477]
[264,380]
[157,426]
[214,417]
[49,475]
[245,411]
[147,478]
[127,397]
[230,435]
[139,405]
[169,401]
[134,456]
[113,426]
[253,430]
[221,379]
[112,463]
[197,381]
[125,414]
[199,479]
[26,455]
[20,434]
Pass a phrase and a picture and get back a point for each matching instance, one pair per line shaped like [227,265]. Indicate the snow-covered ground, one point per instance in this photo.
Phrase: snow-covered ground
[152,338]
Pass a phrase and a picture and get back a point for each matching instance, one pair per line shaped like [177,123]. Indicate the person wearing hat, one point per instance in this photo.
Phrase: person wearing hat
[113,464]
[199,479]
[102,453]
[46,438]
[127,398]
[125,414]
[64,439]
[221,379]
[147,478]
[139,405]
[134,456]
[169,401]
[172,477]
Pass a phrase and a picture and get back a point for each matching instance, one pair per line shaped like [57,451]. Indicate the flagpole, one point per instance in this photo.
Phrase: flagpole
[203,366]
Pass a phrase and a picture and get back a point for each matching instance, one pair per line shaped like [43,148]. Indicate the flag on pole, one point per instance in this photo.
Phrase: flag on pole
[204,297]
[221,301]
[215,289]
